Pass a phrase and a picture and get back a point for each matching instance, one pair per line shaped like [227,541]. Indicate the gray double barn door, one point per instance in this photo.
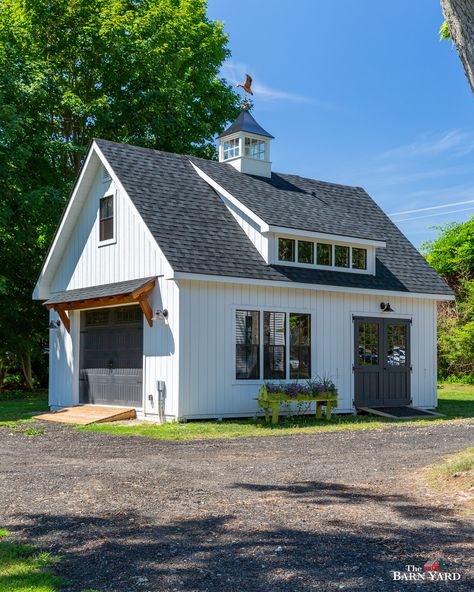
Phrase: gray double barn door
[381,362]
[111,361]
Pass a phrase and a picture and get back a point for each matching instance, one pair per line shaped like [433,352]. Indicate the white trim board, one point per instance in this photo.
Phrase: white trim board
[291,232]
[301,286]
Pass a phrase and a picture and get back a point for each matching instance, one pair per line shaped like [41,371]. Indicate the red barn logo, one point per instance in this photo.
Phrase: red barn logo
[437,565]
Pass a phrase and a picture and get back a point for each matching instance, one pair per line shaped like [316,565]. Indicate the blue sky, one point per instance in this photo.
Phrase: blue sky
[362,93]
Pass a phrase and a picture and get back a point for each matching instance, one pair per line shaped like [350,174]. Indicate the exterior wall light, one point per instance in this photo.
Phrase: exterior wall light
[385,306]
[160,315]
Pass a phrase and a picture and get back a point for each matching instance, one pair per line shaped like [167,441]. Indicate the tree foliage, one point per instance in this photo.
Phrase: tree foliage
[143,72]
[452,255]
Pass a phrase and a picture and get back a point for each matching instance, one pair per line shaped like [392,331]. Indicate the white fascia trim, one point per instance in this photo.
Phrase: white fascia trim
[263,225]
[301,286]
[325,236]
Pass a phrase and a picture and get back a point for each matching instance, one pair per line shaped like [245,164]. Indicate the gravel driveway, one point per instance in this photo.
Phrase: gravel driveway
[328,511]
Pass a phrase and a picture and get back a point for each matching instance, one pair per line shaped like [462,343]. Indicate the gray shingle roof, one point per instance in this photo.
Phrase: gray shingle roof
[116,289]
[198,234]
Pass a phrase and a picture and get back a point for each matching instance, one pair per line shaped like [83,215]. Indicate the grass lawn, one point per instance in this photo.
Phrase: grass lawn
[23,569]
[455,475]
[456,401]
[20,406]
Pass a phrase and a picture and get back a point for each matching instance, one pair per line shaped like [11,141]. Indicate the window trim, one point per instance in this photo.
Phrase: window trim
[370,255]
[261,309]
[113,240]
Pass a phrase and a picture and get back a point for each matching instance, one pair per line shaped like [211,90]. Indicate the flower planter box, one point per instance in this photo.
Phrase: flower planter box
[273,401]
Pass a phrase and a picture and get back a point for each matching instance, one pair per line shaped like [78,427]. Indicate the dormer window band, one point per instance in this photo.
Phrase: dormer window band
[327,254]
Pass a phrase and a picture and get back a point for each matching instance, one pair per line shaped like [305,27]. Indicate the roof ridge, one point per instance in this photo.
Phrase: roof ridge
[208,160]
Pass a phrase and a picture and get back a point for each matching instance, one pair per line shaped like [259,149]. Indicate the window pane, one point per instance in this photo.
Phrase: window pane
[128,314]
[341,256]
[254,148]
[324,254]
[97,317]
[396,345]
[107,229]
[286,249]
[247,336]
[106,207]
[368,344]
[274,351]
[231,148]
[305,252]
[359,258]
[300,345]
[106,217]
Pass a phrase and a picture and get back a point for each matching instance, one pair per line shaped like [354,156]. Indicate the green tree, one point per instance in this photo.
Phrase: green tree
[452,255]
[145,72]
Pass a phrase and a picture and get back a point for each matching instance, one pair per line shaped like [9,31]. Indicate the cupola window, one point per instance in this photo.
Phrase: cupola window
[231,148]
[254,149]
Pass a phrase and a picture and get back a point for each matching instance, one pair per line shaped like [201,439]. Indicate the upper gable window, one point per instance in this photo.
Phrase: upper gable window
[254,148]
[106,220]
[231,148]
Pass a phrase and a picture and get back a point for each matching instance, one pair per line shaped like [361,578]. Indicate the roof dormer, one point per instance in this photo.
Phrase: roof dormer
[246,146]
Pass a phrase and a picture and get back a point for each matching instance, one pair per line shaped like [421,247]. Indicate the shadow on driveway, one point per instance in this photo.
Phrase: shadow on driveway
[296,537]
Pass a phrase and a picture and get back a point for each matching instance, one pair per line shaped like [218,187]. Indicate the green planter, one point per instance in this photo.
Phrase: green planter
[273,401]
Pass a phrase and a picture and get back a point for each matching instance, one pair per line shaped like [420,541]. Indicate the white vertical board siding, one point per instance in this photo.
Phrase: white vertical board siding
[64,363]
[85,263]
[207,373]
[161,352]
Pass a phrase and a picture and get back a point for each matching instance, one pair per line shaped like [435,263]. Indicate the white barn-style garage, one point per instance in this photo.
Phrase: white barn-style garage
[179,285]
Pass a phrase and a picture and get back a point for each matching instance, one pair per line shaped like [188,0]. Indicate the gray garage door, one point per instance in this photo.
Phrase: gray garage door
[112,356]
[381,362]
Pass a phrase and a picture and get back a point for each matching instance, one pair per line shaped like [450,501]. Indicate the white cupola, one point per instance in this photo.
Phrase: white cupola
[246,146]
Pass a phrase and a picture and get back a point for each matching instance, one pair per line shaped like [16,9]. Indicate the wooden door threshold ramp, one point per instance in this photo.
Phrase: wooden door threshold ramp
[86,414]
[399,412]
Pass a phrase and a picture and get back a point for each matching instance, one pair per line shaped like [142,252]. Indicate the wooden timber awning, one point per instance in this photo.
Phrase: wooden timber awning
[130,292]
